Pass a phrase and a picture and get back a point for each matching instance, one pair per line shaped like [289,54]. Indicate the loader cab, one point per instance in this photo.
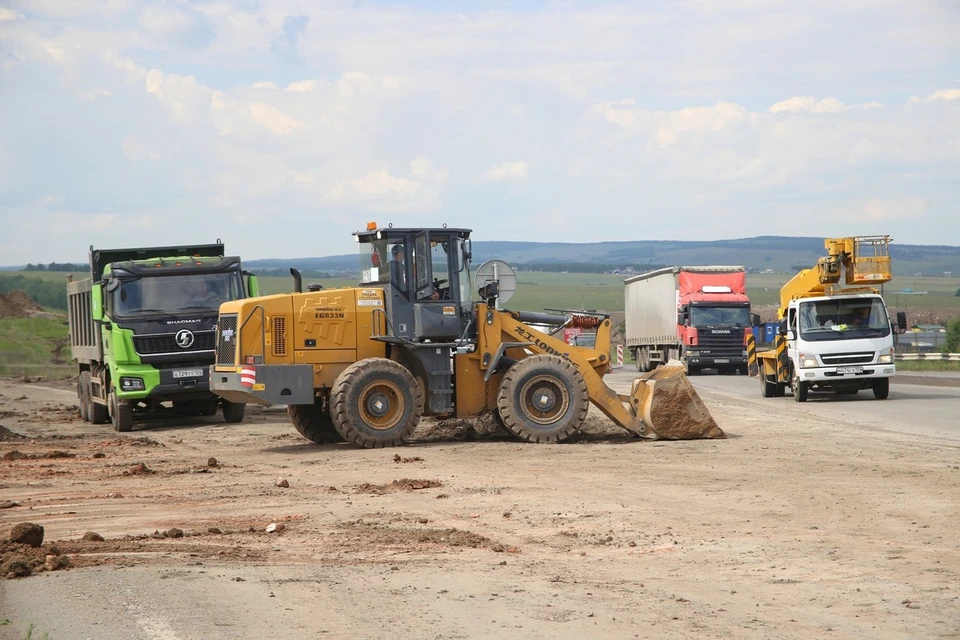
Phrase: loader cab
[425,276]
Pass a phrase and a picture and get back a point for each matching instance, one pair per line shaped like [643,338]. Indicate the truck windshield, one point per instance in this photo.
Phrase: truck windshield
[168,294]
[843,319]
[717,316]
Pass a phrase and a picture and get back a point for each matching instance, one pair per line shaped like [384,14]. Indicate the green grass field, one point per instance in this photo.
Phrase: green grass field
[35,347]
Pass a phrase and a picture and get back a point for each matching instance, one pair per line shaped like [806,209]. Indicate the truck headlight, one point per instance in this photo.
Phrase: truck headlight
[886,357]
[131,384]
[807,362]
[691,354]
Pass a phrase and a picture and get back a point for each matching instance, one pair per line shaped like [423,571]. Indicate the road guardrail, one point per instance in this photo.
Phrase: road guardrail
[933,357]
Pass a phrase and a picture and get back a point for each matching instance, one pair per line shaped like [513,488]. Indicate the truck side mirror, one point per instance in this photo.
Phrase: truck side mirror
[782,327]
[253,285]
[901,322]
[754,319]
[680,319]
[96,302]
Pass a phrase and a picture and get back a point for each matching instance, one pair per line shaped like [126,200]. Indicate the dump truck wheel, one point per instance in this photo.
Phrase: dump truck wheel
[375,403]
[121,413]
[233,412]
[543,399]
[313,423]
[83,395]
[881,389]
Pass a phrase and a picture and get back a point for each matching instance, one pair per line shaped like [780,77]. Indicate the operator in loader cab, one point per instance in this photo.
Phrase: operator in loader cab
[398,271]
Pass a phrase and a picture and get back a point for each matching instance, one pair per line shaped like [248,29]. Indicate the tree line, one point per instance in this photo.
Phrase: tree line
[50,294]
[56,266]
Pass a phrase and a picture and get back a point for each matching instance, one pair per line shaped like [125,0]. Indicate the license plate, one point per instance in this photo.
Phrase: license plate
[188,373]
[849,369]
[722,360]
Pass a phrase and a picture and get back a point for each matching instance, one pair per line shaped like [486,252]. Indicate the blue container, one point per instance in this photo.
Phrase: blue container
[770,331]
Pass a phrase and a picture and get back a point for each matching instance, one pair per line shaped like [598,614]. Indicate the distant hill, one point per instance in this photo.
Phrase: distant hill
[779,253]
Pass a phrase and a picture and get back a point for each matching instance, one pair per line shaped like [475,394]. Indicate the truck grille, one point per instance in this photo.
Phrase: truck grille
[720,346]
[863,357]
[166,343]
[227,340]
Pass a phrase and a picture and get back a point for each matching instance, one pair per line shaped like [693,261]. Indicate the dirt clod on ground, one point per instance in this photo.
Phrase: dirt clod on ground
[26,533]
[405,484]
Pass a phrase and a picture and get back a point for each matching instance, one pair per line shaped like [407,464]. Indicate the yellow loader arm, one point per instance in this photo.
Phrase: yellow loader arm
[662,404]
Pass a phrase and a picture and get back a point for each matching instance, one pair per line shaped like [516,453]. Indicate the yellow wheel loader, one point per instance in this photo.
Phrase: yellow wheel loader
[363,364]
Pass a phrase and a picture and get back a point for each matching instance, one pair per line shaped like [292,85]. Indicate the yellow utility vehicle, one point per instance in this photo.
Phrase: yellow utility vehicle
[834,338]
[364,363]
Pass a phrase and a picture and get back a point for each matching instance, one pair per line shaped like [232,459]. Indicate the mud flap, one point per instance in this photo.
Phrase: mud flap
[671,407]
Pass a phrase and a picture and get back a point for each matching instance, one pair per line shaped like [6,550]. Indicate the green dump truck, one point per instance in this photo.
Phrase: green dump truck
[143,331]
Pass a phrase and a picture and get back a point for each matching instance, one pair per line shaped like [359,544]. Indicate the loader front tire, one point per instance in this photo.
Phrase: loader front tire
[543,399]
[313,423]
[375,403]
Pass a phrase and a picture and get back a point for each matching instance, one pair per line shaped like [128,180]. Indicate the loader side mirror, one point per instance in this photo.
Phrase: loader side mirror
[253,285]
[96,302]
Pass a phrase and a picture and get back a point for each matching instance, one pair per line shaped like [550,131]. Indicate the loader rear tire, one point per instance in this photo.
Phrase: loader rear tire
[313,423]
[375,403]
[543,399]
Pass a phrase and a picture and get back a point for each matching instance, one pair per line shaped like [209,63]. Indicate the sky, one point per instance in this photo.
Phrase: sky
[282,126]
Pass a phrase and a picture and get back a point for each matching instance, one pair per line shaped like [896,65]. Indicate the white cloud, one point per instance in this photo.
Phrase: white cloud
[263,85]
[9,14]
[135,151]
[271,117]
[303,85]
[812,105]
[878,210]
[667,126]
[517,170]
[945,95]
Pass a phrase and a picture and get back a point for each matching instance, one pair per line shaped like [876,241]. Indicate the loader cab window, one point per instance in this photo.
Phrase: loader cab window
[462,266]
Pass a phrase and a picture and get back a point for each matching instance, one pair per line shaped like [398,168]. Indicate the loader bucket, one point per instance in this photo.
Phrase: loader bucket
[670,407]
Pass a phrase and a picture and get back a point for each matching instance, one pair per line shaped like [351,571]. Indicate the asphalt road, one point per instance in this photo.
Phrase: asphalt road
[915,409]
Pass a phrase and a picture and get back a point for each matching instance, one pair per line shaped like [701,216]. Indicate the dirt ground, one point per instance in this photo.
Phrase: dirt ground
[788,529]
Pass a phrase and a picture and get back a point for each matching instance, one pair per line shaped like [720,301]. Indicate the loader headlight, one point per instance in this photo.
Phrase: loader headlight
[807,362]
[886,357]
[131,384]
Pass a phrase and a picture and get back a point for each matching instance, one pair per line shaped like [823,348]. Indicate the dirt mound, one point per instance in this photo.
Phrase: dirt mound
[10,309]
[22,300]
[7,434]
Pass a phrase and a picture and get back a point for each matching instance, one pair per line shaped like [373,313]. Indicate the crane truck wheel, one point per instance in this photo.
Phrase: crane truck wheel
[121,413]
[800,389]
[313,423]
[375,403]
[543,399]
[766,387]
[881,388]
